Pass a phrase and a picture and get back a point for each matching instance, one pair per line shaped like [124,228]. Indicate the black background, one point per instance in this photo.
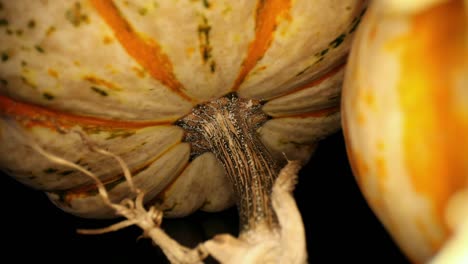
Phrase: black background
[339,224]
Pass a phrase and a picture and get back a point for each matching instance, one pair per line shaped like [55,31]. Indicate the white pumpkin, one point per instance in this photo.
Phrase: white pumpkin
[405,118]
[124,72]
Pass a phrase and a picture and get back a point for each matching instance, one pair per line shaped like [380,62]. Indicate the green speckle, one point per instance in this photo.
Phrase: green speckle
[143,11]
[167,210]
[99,91]
[213,67]
[75,15]
[9,31]
[4,82]
[227,10]
[5,56]
[304,70]
[120,134]
[19,32]
[50,30]
[48,96]
[3,22]
[335,43]
[322,53]
[50,170]
[204,38]
[325,51]
[27,82]
[39,49]
[356,21]
[205,47]
[205,203]
[24,63]
[206,4]
[31,24]
[65,173]
[61,197]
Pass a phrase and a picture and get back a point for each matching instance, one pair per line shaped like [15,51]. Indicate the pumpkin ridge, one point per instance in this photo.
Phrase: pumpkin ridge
[36,115]
[162,194]
[316,81]
[269,12]
[146,52]
[111,182]
[319,113]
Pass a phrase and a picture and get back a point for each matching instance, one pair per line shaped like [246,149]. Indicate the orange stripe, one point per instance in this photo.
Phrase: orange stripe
[430,57]
[269,12]
[146,52]
[32,115]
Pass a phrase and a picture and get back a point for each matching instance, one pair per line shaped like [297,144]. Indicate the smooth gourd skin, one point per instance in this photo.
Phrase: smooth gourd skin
[405,119]
[123,72]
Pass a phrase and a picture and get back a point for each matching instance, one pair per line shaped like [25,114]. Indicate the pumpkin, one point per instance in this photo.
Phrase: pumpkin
[405,121]
[202,100]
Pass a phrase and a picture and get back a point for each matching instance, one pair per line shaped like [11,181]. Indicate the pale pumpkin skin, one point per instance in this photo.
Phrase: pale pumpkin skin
[405,120]
[124,71]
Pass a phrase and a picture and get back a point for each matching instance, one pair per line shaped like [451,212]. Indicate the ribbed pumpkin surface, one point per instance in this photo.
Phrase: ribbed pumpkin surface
[124,71]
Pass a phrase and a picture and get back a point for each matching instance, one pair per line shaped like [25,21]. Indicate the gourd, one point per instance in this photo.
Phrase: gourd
[203,100]
[405,121]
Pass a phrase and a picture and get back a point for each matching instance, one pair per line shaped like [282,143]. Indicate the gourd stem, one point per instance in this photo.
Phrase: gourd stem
[227,127]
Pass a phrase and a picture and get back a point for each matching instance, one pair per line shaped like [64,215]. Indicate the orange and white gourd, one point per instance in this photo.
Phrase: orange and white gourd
[124,72]
[405,119]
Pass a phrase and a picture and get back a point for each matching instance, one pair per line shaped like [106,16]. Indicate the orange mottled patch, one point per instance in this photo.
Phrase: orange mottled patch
[146,52]
[364,103]
[107,40]
[53,73]
[190,51]
[373,32]
[381,168]
[434,242]
[361,117]
[139,71]
[269,13]
[430,54]
[369,99]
